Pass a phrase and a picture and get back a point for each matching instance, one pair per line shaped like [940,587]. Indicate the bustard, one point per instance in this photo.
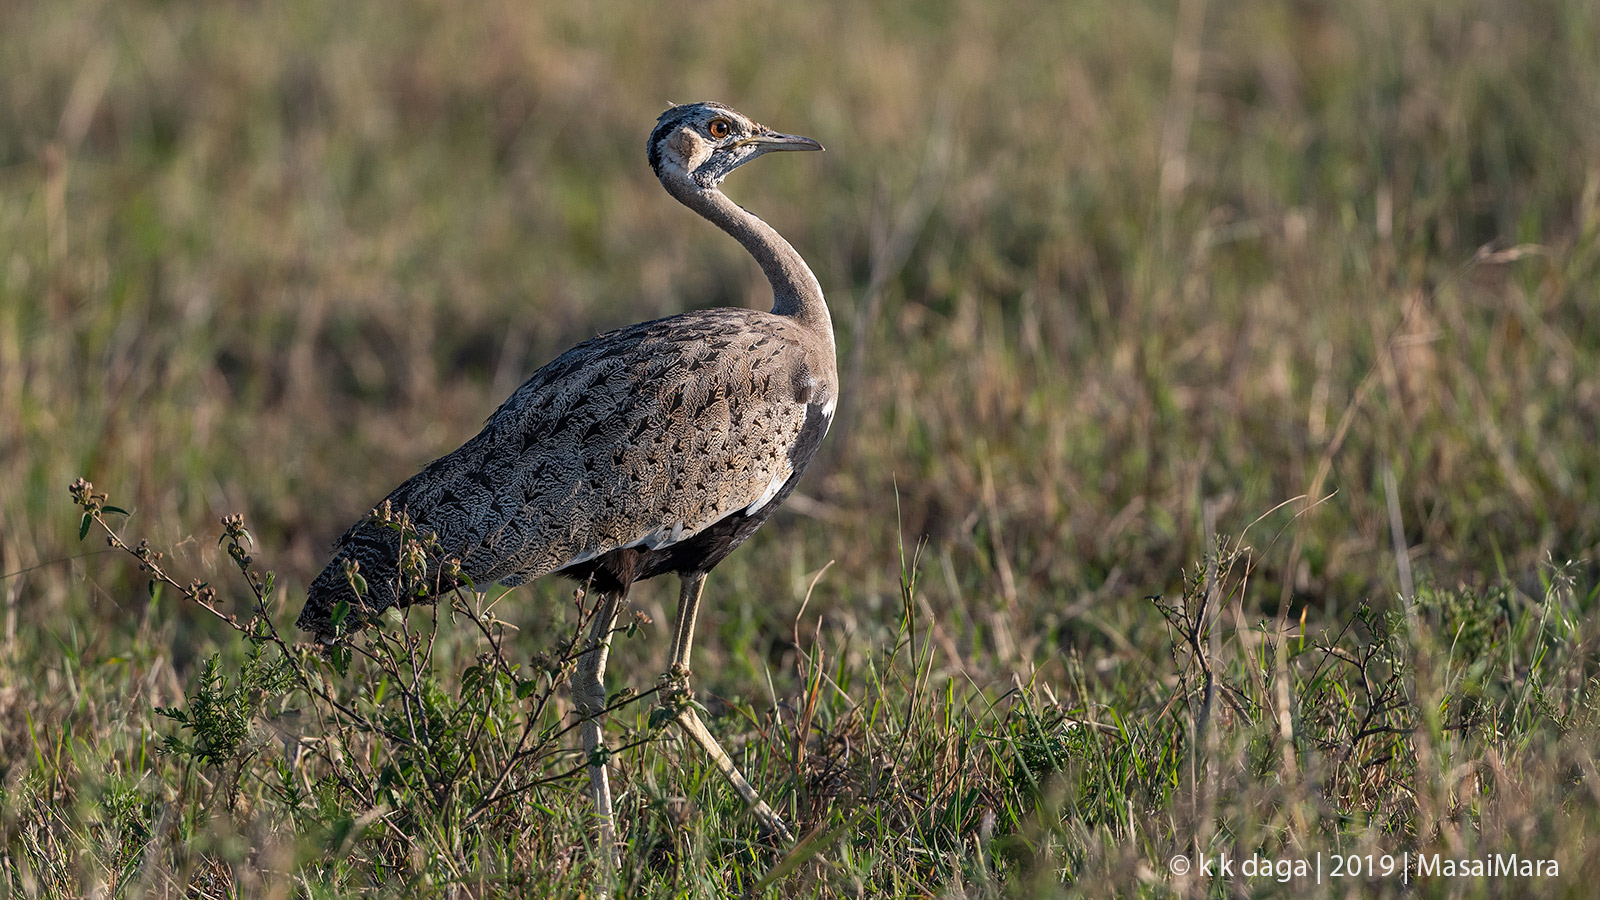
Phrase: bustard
[655,448]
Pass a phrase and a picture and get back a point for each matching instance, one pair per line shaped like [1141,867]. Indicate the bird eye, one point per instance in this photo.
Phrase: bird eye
[719,128]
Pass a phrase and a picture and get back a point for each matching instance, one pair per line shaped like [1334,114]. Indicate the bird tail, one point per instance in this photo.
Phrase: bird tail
[384,561]
[354,588]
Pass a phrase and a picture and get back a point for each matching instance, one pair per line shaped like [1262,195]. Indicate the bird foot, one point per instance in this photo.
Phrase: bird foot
[773,831]
[674,690]
[771,824]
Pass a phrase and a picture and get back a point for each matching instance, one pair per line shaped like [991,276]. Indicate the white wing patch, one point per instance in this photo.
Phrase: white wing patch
[677,532]
[773,487]
[665,536]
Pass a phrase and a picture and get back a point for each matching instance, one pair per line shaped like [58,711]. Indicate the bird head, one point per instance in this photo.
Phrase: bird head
[702,142]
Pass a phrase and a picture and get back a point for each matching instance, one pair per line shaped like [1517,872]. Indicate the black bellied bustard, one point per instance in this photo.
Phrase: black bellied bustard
[655,448]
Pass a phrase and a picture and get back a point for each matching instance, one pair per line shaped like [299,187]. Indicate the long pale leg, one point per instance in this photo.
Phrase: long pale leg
[589,690]
[688,606]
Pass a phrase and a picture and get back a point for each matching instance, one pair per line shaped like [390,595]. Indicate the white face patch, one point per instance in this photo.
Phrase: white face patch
[682,152]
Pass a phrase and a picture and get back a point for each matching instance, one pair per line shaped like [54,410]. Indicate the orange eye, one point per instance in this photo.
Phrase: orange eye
[719,128]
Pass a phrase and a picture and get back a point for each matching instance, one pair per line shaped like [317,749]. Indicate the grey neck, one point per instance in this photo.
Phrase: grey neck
[795,291]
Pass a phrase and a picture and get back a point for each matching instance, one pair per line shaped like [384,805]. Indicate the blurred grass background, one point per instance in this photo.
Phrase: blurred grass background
[1107,282]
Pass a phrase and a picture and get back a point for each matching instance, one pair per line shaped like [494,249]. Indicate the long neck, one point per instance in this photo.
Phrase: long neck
[795,291]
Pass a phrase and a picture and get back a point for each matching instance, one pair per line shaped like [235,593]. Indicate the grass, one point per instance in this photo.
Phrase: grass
[1221,389]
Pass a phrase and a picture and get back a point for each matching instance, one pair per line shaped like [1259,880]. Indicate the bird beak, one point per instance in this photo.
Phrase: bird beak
[736,154]
[769,141]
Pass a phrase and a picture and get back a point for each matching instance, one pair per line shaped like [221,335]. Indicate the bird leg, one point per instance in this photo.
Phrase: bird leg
[688,606]
[589,690]
[677,695]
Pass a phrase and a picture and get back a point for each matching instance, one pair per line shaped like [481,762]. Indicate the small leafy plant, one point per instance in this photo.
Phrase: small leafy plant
[399,760]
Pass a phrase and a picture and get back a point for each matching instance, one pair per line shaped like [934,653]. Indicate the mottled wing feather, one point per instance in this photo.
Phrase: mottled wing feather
[642,437]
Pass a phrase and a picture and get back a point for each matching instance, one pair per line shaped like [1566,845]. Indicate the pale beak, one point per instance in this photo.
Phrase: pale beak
[769,141]
[736,154]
